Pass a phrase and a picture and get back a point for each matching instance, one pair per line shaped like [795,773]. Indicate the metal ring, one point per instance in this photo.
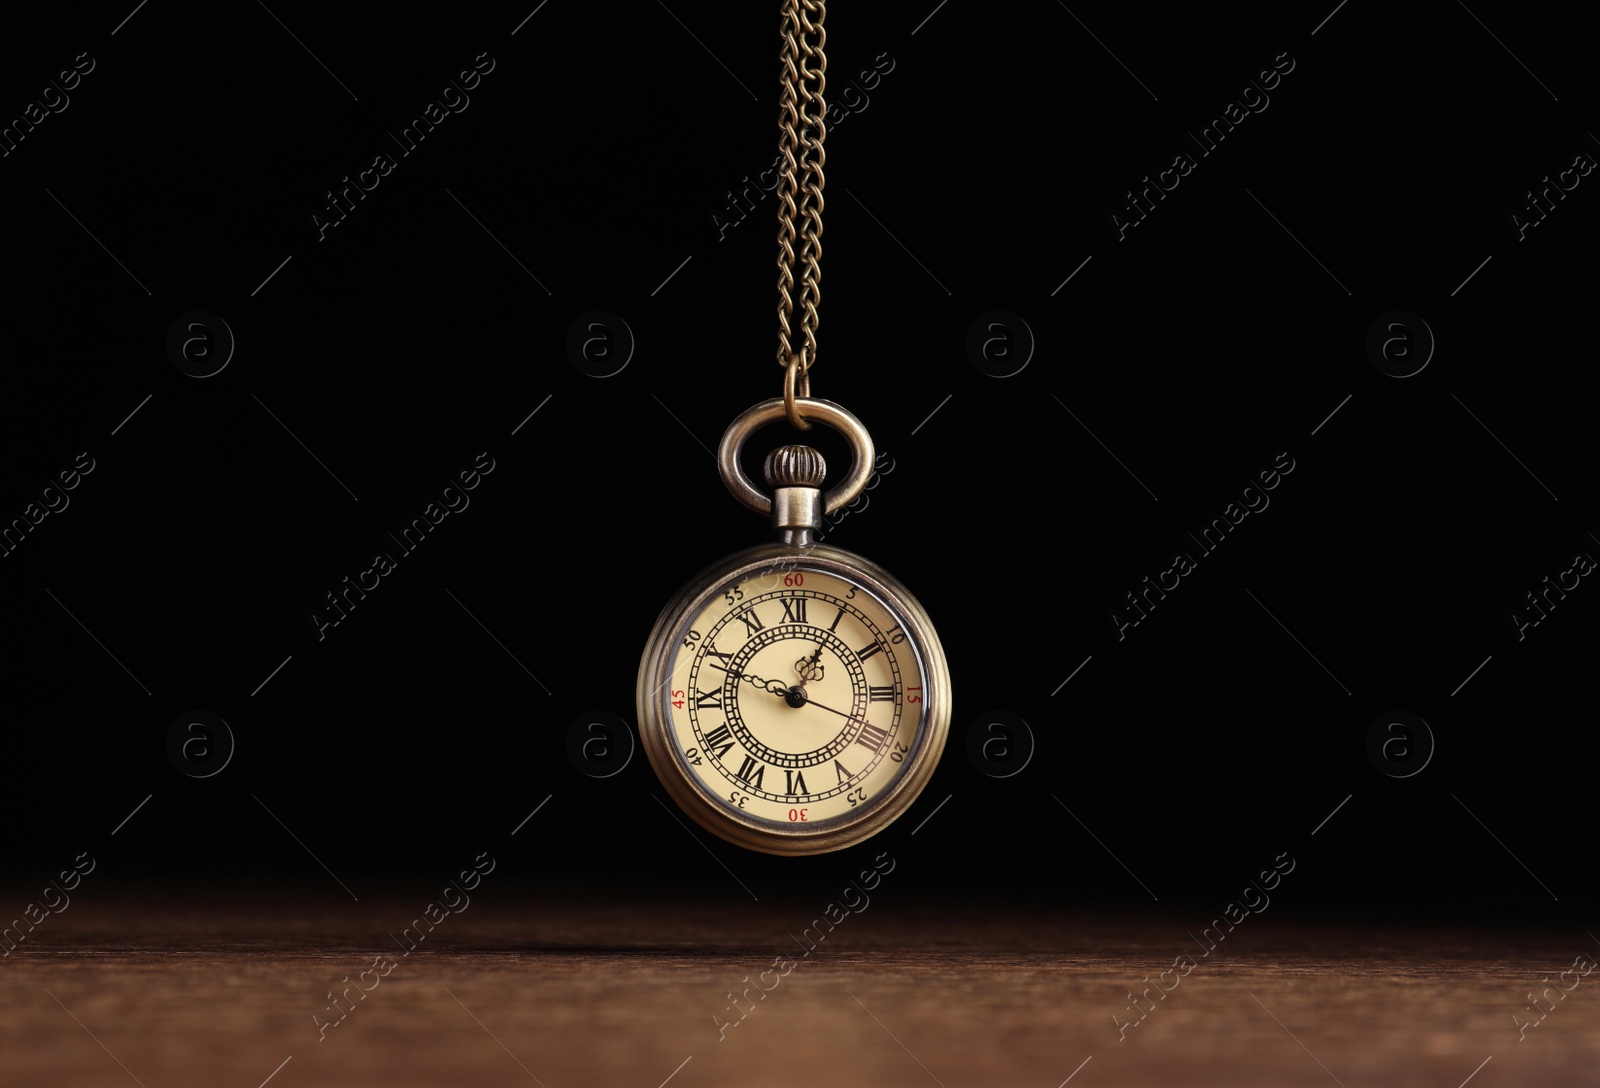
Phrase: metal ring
[825,411]
[796,420]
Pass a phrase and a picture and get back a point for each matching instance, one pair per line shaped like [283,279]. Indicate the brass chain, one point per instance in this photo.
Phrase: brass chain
[801,122]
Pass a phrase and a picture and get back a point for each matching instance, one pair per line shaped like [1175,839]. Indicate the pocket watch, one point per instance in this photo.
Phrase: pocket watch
[793,698]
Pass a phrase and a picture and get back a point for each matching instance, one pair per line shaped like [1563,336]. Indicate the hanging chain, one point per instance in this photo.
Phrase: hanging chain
[801,116]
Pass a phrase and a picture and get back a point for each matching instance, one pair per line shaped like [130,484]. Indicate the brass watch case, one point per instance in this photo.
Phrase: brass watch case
[655,684]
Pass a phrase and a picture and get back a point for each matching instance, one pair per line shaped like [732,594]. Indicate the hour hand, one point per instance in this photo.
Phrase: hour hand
[810,668]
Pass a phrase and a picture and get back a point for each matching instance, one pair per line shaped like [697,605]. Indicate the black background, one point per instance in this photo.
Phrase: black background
[1173,367]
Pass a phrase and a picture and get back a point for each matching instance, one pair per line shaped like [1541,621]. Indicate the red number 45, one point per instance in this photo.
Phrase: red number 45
[677,699]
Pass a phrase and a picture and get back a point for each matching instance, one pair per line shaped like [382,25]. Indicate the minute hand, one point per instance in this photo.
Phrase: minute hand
[812,702]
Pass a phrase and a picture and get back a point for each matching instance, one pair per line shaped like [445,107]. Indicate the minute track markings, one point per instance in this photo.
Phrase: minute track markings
[781,596]
[832,644]
[872,737]
[734,707]
[751,769]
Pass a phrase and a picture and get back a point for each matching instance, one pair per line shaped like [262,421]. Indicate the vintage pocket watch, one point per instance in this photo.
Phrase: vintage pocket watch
[794,698]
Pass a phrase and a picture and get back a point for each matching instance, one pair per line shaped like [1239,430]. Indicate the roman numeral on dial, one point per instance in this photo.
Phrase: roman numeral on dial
[872,737]
[752,622]
[722,658]
[794,610]
[881,694]
[751,772]
[720,739]
[794,784]
[867,651]
[708,700]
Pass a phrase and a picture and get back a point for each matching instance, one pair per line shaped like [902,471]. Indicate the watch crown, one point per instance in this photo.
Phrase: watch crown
[795,466]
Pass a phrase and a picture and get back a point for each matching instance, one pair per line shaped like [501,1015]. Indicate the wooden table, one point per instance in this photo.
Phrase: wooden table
[178,991]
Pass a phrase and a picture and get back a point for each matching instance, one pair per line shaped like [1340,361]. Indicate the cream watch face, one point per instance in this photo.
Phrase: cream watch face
[799,706]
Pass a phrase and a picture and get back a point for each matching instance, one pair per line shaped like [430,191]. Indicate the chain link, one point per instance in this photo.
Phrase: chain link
[801,122]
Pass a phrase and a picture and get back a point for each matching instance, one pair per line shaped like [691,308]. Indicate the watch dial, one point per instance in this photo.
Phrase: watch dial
[796,698]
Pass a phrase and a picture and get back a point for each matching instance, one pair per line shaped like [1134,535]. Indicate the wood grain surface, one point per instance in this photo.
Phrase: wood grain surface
[162,992]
